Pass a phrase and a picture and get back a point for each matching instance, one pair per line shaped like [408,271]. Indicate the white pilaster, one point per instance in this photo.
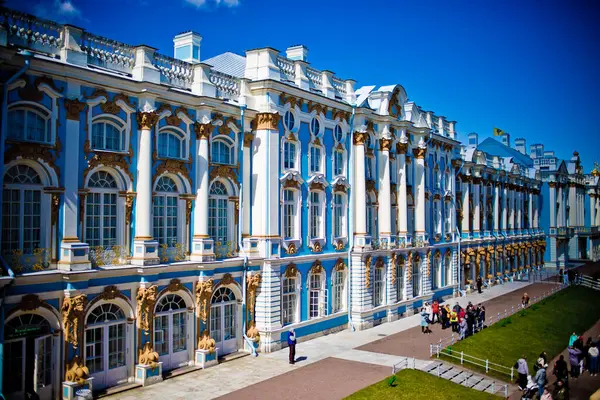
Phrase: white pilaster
[385,205]
[552,206]
[359,192]
[496,207]
[465,208]
[420,189]
[505,205]
[476,206]
[402,204]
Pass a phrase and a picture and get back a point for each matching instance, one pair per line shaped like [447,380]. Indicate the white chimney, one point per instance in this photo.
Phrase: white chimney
[473,139]
[520,146]
[298,52]
[505,138]
[187,47]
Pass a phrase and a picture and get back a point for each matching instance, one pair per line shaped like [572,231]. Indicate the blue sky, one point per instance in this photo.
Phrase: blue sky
[527,67]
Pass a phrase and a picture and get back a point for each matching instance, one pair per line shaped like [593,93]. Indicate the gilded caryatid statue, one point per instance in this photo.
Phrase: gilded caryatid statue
[252,286]
[204,291]
[76,371]
[72,312]
[147,356]
[146,299]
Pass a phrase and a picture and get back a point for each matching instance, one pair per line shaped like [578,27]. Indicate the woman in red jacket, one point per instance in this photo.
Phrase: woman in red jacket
[435,312]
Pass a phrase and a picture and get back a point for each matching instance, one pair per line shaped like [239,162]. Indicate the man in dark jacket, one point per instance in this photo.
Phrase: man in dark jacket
[292,345]
[479,284]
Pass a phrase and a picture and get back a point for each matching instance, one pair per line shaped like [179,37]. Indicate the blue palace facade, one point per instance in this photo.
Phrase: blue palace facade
[161,212]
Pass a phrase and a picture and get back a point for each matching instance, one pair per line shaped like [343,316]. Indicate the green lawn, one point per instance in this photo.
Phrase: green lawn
[545,326]
[411,384]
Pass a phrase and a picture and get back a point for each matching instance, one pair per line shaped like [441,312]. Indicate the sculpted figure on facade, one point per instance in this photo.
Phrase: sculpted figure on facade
[204,291]
[77,371]
[147,356]
[72,312]
[146,299]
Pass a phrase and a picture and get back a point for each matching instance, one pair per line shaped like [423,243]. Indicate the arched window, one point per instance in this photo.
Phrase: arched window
[317,298]
[338,162]
[23,324]
[416,276]
[378,286]
[105,313]
[101,210]
[21,204]
[29,123]
[105,339]
[289,299]
[289,120]
[400,279]
[448,269]
[165,210]
[370,216]
[436,272]
[289,155]
[339,289]
[317,199]
[338,134]
[289,214]
[170,302]
[218,228]
[315,126]
[222,152]
[170,325]
[223,295]
[108,134]
[339,215]
[171,144]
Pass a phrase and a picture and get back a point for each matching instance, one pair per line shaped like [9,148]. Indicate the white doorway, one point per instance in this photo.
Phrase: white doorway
[105,345]
[223,320]
[29,364]
[170,332]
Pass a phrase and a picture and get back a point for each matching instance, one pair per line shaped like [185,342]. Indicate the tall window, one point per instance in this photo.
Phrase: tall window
[101,210]
[338,162]
[370,216]
[289,155]
[400,279]
[315,215]
[315,126]
[339,214]
[317,299]
[165,211]
[339,281]
[369,167]
[29,124]
[171,144]
[315,158]
[222,152]
[448,270]
[378,287]
[416,277]
[448,217]
[289,214]
[108,134]
[21,205]
[289,300]
[217,213]
[436,273]
[437,217]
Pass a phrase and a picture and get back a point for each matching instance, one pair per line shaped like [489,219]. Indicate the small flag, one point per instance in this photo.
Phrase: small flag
[498,132]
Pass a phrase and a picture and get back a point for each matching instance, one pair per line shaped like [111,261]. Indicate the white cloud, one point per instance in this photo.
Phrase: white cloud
[66,8]
[217,3]
[60,11]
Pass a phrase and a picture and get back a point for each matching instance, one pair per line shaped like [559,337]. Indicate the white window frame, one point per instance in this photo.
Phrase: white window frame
[342,154]
[291,204]
[102,192]
[165,196]
[35,108]
[229,144]
[448,281]
[320,231]
[343,222]
[339,290]
[179,135]
[118,123]
[400,266]
[378,286]
[291,315]
[319,293]
[313,148]
[285,143]
[217,198]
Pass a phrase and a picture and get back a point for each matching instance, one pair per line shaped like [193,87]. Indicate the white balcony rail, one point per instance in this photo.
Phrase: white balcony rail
[37,34]
[108,53]
[286,68]
[228,87]
[174,72]
[314,76]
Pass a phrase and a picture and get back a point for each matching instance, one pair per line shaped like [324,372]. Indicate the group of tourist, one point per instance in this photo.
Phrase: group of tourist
[581,357]
[464,321]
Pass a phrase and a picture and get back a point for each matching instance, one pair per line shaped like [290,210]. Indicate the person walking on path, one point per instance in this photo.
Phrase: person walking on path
[593,359]
[463,329]
[479,284]
[444,311]
[435,312]
[540,380]
[525,300]
[424,323]
[523,371]
[454,320]
[574,361]
[572,339]
[428,312]
[292,345]
[561,370]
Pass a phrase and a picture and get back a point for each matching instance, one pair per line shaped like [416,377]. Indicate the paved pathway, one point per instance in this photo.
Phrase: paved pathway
[242,373]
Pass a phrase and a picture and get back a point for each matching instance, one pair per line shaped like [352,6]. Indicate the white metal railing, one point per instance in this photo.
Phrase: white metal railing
[176,72]
[404,364]
[108,53]
[588,281]
[227,86]
[494,388]
[441,347]
[314,76]
[32,32]
[286,67]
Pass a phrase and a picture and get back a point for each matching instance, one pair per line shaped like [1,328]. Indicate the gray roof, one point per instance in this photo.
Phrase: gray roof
[228,63]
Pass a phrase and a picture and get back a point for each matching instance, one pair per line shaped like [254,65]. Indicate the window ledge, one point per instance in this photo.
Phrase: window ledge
[297,243]
[50,145]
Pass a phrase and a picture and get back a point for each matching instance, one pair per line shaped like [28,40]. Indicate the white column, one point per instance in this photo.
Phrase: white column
[402,204]
[420,188]
[246,179]
[202,244]
[530,209]
[359,192]
[552,205]
[483,189]
[385,204]
[453,204]
[592,209]
[572,193]
[560,219]
[597,210]
[465,207]
[505,205]
[536,211]
[519,208]
[496,207]
[71,258]
[512,209]
[145,248]
[476,205]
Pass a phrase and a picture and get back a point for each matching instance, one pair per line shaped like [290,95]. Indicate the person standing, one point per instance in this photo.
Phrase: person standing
[424,322]
[525,300]
[482,316]
[593,359]
[523,371]
[292,345]
[444,313]
[561,370]
[540,380]
[463,329]
[454,320]
[435,312]
[479,284]
[572,339]
[574,361]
